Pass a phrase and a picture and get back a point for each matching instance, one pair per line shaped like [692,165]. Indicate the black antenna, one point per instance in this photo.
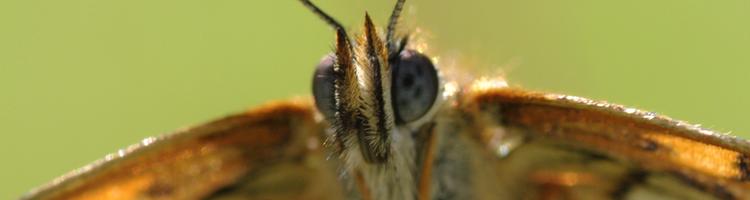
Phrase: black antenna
[392,25]
[327,18]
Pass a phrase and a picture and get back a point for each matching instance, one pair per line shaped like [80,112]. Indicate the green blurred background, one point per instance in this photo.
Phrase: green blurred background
[82,78]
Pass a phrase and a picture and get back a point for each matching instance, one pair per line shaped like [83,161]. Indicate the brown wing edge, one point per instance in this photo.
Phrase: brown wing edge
[688,130]
[711,161]
[207,156]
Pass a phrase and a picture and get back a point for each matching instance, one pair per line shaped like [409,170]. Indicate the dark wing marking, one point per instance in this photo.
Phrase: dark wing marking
[571,146]
[270,152]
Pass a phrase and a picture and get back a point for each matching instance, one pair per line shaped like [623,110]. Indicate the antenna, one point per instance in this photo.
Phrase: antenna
[392,24]
[327,18]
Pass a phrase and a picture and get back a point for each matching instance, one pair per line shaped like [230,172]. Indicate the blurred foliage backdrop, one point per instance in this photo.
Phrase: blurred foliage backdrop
[82,78]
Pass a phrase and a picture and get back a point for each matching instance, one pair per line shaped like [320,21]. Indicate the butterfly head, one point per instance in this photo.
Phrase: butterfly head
[372,85]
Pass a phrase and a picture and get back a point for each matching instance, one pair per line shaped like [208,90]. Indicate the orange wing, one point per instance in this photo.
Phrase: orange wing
[548,146]
[272,153]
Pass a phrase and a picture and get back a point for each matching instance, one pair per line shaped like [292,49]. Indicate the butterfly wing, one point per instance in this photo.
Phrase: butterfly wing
[547,146]
[494,143]
[271,153]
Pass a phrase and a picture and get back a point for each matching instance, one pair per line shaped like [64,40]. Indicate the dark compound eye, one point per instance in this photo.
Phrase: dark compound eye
[415,86]
[323,86]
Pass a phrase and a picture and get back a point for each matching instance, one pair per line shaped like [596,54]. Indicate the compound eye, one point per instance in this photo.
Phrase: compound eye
[322,86]
[415,86]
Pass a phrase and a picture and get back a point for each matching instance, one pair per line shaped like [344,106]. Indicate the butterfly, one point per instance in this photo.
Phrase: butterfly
[386,123]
